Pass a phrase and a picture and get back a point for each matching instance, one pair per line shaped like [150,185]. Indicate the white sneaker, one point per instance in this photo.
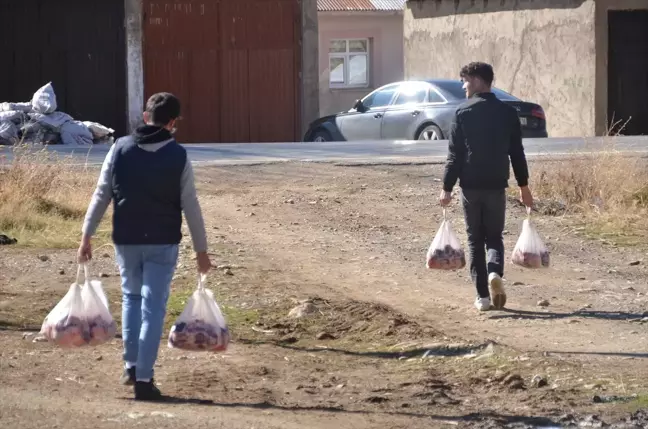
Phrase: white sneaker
[497,293]
[483,304]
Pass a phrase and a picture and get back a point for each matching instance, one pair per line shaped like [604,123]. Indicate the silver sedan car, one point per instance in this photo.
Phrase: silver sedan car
[414,110]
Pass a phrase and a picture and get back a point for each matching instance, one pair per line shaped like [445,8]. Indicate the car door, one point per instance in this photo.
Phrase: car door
[366,125]
[402,115]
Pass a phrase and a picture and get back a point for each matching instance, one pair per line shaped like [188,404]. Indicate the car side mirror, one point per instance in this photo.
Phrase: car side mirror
[359,106]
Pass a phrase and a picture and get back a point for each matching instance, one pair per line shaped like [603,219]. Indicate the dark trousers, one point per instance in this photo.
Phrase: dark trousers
[484,212]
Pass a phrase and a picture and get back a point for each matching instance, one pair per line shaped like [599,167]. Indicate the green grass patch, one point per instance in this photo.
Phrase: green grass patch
[611,233]
[237,318]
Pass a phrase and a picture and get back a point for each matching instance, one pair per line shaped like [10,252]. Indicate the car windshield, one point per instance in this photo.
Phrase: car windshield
[455,88]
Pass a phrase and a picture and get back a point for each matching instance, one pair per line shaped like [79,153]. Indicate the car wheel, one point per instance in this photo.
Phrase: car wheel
[321,135]
[430,132]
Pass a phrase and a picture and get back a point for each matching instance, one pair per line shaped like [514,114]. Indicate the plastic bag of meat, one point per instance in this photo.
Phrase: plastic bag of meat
[66,325]
[201,326]
[81,317]
[44,100]
[530,251]
[445,252]
[101,325]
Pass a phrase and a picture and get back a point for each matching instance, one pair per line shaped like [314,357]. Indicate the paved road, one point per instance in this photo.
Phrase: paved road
[362,151]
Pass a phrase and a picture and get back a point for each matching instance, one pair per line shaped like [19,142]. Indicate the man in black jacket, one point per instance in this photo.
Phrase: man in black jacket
[485,133]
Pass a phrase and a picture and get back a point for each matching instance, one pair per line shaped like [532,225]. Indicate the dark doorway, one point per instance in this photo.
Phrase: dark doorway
[78,45]
[628,72]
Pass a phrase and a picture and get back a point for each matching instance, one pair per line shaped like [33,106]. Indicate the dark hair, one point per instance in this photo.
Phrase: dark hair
[163,107]
[481,70]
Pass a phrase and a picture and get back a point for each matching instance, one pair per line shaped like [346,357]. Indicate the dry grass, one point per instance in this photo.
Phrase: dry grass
[608,191]
[43,199]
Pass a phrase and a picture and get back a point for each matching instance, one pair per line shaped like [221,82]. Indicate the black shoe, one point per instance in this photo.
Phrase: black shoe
[128,377]
[146,391]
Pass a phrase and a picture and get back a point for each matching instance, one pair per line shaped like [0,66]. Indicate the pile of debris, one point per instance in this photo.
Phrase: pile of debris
[38,122]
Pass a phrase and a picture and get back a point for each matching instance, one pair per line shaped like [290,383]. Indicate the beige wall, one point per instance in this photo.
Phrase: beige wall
[542,50]
[386,54]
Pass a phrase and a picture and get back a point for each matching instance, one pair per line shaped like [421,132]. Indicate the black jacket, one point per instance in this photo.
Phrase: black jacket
[147,188]
[485,133]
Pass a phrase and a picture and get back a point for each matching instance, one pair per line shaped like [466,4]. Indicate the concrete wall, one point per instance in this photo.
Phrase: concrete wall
[134,62]
[386,53]
[542,51]
[310,108]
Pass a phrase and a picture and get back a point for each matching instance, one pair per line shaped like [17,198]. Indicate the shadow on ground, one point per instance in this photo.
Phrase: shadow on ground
[502,419]
[436,350]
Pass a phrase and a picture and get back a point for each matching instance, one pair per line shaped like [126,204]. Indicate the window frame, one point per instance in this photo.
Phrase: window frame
[346,57]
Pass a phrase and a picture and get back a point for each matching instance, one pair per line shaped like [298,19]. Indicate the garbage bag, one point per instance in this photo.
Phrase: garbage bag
[8,133]
[53,121]
[14,116]
[530,251]
[20,107]
[446,252]
[201,326]
[44,100]
[75,132]
[81,318]
[98,131]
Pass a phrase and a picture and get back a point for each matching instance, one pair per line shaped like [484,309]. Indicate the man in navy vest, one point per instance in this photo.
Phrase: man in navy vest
[150,180]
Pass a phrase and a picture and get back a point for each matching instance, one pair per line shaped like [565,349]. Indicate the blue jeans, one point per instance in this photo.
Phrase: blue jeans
[146,272]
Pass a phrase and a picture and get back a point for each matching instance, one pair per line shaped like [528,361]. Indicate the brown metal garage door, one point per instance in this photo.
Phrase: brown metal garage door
[77,44]
[234,64]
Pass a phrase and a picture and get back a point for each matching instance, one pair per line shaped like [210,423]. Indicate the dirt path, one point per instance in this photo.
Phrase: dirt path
[367,229]
[347,237]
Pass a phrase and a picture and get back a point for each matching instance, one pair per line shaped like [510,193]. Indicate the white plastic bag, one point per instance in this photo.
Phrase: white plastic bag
[12,116]
[66,325]
[21,107]
[101,325]
[81,317]
[44,100]
[530,251]
[201,326]
[76,133]
[445,252]
[98,131]
[53,121]
[8,133]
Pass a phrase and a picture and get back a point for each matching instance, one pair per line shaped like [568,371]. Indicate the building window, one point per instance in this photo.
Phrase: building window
[349,63]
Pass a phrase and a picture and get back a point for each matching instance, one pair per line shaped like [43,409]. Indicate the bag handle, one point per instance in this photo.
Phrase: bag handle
[444,214]
[528,210]
[202,279]
[86,272]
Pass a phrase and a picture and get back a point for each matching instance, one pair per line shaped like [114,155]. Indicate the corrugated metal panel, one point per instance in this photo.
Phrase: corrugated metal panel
[359,5]
[389,5]
[78,45]
[233,63]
